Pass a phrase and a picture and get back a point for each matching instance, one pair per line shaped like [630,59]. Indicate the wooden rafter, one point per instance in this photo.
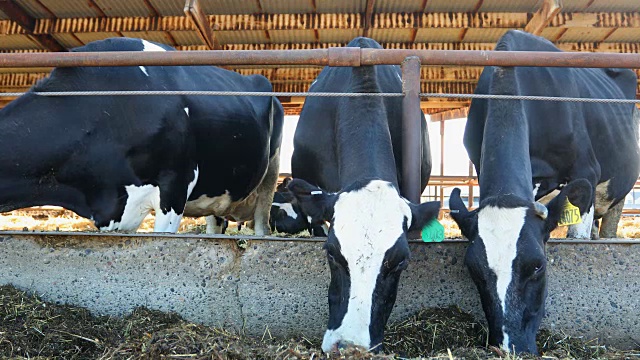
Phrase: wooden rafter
[368,17]
[193,11]
[450,114]
[16,13]
[541,18]
[324,21]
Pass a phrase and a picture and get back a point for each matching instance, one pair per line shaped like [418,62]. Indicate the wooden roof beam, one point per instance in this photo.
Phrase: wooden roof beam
[16,13]
[368,17]
[193,11]
[541,18]
[197,21]
[450,114]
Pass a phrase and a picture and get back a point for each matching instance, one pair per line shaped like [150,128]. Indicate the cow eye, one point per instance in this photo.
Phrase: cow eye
[537,269]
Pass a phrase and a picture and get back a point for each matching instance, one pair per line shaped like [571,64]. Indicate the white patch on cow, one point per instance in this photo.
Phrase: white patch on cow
[499,229]
[309,219]
[141,200]
[169,222]
[505,339]
[111,227]
[367,222]
[535,190]
[148,46]
[288,208]
[186,109]
[582,230]
[325,228]
[193,182]
[212,225]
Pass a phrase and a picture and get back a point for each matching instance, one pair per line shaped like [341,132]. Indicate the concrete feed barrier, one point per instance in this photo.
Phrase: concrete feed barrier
[282,284]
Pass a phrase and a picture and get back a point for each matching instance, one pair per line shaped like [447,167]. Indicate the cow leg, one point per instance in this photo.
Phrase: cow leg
[582,230]
[609,222]
[175,188]
[216,225]
[265,196]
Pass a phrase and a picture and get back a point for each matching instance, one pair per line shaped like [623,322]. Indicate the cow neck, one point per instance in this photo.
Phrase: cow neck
[363,139]
[505,166]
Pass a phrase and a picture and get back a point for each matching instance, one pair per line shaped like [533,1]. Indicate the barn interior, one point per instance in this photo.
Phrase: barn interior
[30,26]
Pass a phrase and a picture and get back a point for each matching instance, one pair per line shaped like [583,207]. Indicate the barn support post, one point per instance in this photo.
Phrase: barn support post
[411,130]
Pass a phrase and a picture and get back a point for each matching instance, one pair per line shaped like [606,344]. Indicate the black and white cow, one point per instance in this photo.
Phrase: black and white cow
[587,150]
[116,158]
[351,149]
[287,215]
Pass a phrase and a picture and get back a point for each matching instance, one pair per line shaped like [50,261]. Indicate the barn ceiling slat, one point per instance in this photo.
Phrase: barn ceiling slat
[581,25]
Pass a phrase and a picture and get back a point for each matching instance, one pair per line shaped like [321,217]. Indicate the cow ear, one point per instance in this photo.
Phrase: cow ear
[314,202]
[466,220]
[423,213]
[579,192]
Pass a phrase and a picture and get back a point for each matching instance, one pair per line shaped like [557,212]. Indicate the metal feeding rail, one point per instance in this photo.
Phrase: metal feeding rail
[410,60]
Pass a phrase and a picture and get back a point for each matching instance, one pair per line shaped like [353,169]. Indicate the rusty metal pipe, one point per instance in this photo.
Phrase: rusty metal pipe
[319,57]
[322,57]
[501,58]
[411,130]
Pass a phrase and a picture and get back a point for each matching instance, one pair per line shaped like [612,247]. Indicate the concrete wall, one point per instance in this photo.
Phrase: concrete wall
[593,288]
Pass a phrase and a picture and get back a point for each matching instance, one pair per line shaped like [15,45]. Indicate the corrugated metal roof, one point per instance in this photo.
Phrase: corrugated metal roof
[614,6]
[70,8]
[483,35]
[438,35]
[625,35]
[574,5]
[286,6]
[450,5]
[338,35]
[510,6]
[118,8]
[156,36]
[186,38]
[67,40]
[89,37]
[341,6]
[242,37]
[389,6]
[168,7]
[18,42]
[33,8]
[292,36]
[584,34]
[390,35]
[229,6]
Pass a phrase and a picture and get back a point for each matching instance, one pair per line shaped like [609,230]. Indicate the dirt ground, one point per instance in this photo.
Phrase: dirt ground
[59,219]
[33,329]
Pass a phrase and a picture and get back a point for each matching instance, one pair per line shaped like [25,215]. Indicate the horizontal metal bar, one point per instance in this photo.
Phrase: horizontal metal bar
[62,234]
[199,93]
[334,56]
[501,58]
[318,94]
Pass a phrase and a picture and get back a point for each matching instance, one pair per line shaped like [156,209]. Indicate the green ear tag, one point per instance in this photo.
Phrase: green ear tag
[433,231]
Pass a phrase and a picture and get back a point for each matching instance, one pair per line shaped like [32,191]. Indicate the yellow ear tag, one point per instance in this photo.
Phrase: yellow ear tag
[570,215]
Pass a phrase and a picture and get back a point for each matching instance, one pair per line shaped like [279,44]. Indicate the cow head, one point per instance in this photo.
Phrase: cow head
[506,259]
[286,215]
[367,250]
